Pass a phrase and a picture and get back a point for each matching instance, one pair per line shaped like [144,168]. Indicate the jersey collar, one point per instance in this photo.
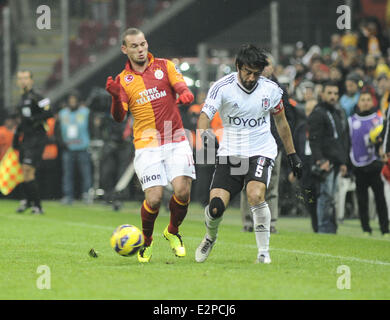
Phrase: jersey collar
[243,88]
[129,68]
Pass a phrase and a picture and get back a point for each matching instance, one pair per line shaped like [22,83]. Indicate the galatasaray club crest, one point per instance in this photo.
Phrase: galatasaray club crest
[265,102]
[159,74]
[129,78]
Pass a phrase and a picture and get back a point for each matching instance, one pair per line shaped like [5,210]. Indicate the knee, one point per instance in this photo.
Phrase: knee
[154,199]
[255,198]
[216,207]
[183,195]
[182,189]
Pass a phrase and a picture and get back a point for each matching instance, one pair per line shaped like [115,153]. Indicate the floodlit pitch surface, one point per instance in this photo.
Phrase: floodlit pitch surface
[304,265]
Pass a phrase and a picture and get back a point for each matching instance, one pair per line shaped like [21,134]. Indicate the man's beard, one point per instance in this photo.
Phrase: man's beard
[140,62]
[247,85]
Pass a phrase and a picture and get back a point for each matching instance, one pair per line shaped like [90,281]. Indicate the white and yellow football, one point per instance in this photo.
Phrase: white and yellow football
[126,240]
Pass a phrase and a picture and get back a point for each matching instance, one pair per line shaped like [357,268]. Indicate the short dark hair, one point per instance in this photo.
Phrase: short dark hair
[252,57]
[329,84]
[129,32]
[74,93]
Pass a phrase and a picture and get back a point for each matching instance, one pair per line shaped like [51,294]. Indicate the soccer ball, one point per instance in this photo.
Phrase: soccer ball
[126,240]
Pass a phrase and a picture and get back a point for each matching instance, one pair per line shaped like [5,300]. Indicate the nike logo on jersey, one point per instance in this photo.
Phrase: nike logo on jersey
[238,121]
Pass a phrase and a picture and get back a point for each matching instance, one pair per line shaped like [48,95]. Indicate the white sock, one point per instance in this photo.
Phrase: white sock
[211,224]
[261,226]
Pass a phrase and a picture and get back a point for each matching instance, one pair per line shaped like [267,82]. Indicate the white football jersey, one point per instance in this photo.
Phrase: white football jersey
[245,116]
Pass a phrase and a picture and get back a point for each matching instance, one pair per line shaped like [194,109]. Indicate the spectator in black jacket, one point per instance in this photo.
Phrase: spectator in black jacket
[327,143]
[307,183]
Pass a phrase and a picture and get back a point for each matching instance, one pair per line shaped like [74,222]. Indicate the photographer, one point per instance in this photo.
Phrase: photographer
[327,142]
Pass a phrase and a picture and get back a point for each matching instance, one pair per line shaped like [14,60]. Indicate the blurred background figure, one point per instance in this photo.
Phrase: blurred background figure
[100,11]
[30,139]
[49,170]
[117,154]
[308,186]
[7,129]
[349,100]
[366,163]
[72,132]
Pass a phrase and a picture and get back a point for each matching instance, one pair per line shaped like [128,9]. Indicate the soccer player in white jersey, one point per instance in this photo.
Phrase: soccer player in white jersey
[246,153]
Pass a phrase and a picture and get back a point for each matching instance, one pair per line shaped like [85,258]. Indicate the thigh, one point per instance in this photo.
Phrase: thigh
[28,172]
[260,170]
[178,160]
[326,188]
[67,160]
[223,179]
[150,169]
[84,161]
[31,152]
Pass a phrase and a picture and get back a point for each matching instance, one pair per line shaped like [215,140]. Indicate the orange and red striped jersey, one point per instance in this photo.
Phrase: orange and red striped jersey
[151,98]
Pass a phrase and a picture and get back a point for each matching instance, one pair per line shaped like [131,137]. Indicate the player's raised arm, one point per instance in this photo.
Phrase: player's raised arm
[285,135]
[114,88]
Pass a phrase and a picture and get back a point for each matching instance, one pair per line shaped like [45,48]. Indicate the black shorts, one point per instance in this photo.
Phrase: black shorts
[31,150]
[232,174]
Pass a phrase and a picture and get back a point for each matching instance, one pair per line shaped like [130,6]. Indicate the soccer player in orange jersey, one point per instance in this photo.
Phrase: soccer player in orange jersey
[148,88]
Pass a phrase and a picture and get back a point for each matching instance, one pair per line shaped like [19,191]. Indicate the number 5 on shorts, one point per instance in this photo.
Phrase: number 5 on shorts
[259,171]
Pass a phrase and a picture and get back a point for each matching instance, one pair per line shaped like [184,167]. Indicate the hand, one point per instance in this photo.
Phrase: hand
[343,170]
[295,164]
[185,98]
[324,165]
[291,177]
[209,139]
[113,87]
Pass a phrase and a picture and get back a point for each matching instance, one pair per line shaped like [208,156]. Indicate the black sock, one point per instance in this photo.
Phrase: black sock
[24,193]
[33,193]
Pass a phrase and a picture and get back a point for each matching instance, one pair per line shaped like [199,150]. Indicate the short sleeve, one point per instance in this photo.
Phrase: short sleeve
[213,101]
[174,75]
[276,96]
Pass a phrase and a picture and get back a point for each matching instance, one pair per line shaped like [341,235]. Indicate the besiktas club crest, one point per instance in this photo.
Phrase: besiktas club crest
[265,102]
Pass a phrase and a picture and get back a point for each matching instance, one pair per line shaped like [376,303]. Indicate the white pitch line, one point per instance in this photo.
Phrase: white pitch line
[326,255]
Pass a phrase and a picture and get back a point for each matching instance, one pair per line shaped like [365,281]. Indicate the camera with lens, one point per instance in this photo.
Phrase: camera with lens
[319,173]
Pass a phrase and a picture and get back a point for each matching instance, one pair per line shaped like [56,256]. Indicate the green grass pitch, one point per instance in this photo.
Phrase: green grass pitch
[304,265]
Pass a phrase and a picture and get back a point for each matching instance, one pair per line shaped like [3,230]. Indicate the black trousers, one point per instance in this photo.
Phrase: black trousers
[364,180]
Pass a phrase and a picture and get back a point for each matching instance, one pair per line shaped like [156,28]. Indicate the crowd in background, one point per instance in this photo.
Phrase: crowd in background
[355,60]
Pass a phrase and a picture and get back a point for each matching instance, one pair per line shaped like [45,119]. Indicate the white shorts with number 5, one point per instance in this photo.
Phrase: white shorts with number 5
[160,165]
